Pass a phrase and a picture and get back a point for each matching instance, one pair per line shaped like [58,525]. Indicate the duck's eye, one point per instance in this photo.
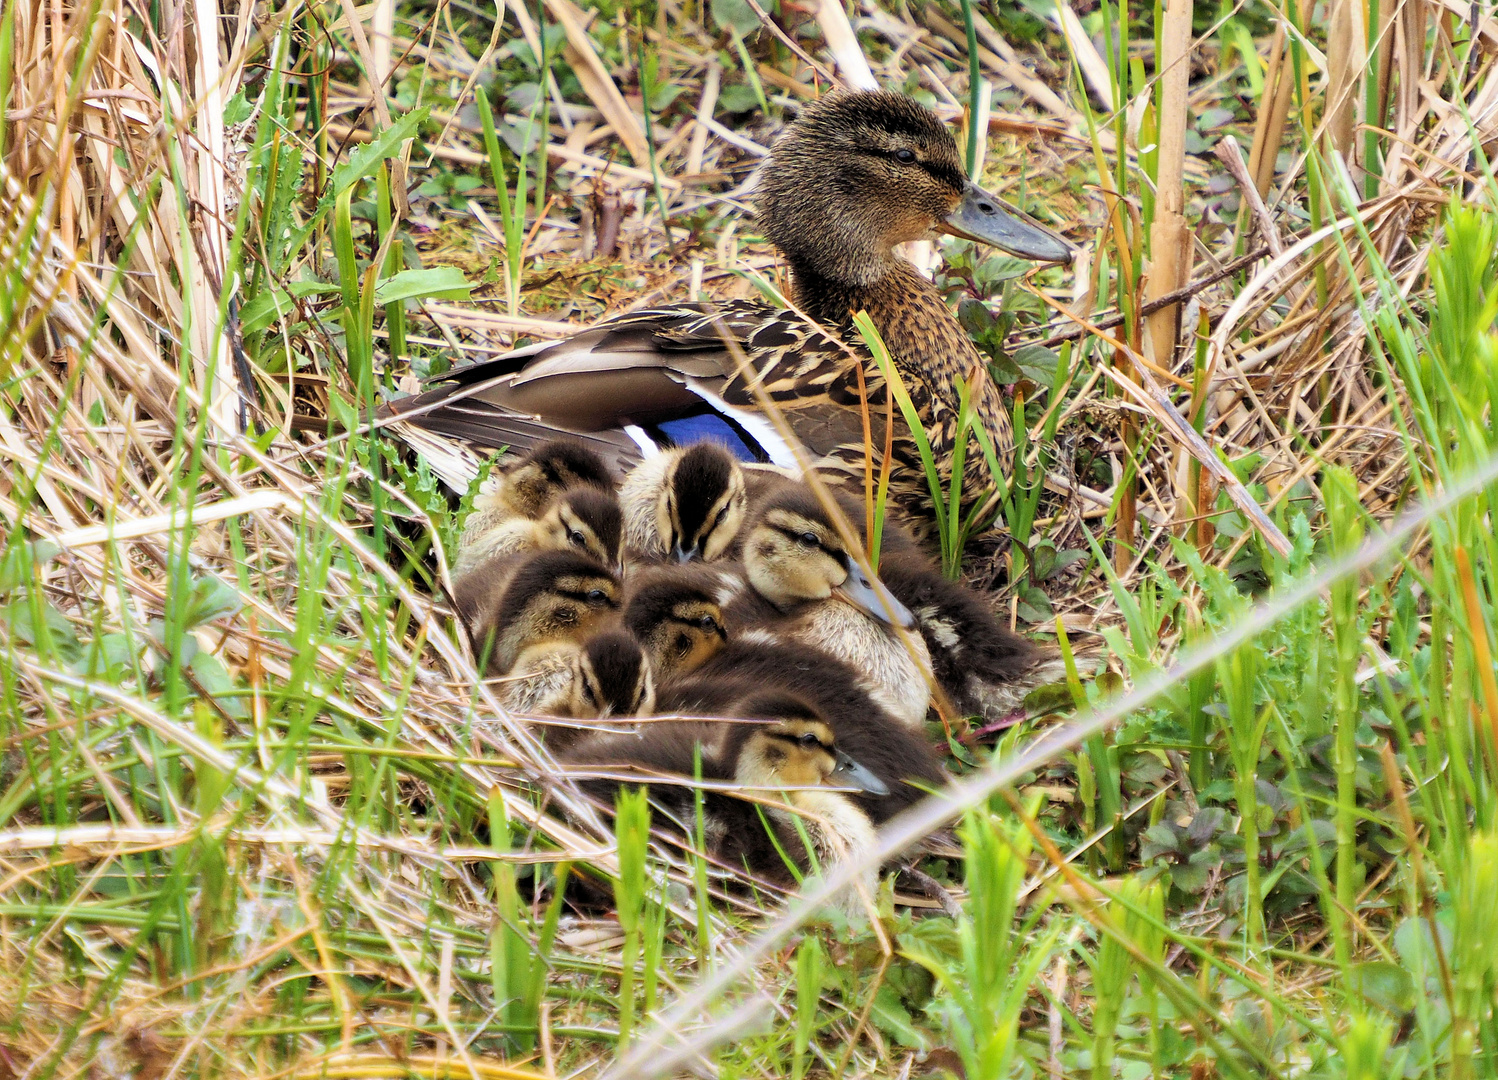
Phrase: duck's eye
[597,596]
[577,539]
[905,157]
[707,622]
[809,740]
[809,539]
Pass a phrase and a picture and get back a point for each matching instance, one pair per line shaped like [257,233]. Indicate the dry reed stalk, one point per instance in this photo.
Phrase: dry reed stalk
[1346,66]
[583,58]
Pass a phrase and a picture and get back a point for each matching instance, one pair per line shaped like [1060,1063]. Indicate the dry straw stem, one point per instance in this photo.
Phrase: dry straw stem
[691,1021]
[1170,238]
[596,82]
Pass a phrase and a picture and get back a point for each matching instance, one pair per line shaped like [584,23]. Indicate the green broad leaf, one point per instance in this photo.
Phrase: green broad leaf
[54,628]
[361,162]
[212,598]
[441,282]
[237,110]
[274,302]
[735,15]
[1049,697]
[18,564]
[1385,985]
[890,1016]
[366,158]
[1037,362]
[209,673]
[1159,840]
[738,98]
[113,656]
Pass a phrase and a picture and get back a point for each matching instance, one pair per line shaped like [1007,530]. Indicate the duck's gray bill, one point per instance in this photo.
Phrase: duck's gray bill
[988,219]
[849,773]
[684,554]
[869,594]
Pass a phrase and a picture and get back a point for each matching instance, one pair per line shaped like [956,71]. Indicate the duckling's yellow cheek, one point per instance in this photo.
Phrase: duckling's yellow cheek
[665,520]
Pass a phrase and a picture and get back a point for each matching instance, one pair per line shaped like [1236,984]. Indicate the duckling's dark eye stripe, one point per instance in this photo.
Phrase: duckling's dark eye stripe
[584,598]
[796,534]
[796,740]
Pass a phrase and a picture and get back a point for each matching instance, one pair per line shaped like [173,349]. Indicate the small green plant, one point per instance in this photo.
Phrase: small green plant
[517,966]
[1135,927]
[808,1000]
[986,989]
[632,832]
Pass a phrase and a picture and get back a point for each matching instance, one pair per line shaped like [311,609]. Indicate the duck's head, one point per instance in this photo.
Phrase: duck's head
[793,747]
[794,555]
[550,596]
[612,677]
[701,503]
[587,520]
[861,171]
[550,468]
[676,613]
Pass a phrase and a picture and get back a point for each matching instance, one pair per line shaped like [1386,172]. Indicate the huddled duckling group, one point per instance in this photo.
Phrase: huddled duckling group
[702,586]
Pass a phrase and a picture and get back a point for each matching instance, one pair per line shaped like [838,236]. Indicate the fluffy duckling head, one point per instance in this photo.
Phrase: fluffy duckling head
[550,596]
[794,747]
[613,677]
[702,503]
[585,519]
[793,555]
[677,616]
[530,485]
[859,172]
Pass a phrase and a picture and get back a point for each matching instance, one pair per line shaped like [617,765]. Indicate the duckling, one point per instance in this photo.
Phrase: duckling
[791,749]
[982,667]
[523,491]
[896,753]
[510,603]
[676,613]
[586,519]
[856,175]
[607,675]
[808,587]
[685,503]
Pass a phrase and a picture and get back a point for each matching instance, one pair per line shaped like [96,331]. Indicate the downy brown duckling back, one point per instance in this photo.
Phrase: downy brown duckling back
[524,490]
[509,604]
[581,518]
[900,756]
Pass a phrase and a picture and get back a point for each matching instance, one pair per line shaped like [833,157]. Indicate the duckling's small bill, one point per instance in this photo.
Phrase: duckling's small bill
[988,219]
[849,773]
[869,595]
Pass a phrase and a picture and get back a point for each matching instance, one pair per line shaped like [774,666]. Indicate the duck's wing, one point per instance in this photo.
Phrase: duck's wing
[649,378]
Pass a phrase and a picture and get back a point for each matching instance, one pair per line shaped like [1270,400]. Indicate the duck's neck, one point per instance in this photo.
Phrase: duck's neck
[922,335]
[924,339]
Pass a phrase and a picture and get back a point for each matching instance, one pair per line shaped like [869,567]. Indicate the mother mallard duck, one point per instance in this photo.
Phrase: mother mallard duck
[855,175]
